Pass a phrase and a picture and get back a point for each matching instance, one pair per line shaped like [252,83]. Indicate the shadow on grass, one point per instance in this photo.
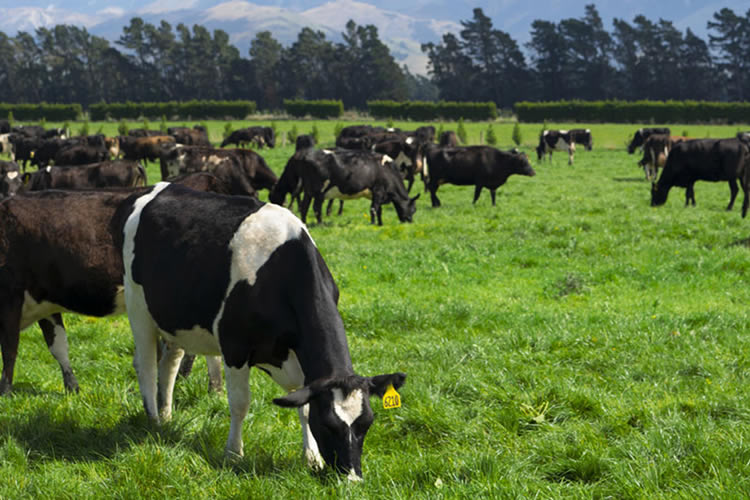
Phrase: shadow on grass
[744,242]
[52,437]
[629,179]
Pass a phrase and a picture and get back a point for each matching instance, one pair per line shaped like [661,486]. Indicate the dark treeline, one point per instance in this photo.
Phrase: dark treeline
[576,58]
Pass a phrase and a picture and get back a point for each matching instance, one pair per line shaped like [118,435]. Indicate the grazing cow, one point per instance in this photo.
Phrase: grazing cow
[555,140]
[261,136]
[481,166]
[51,264]
[10,179]
[118,173]
[407,157]
[254,288]
[655,152]
[448,139]
[701,160]
[246,171]
[344,174]
[304,141]
[642,134]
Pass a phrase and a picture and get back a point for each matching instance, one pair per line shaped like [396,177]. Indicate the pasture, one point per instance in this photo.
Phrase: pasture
[570,342]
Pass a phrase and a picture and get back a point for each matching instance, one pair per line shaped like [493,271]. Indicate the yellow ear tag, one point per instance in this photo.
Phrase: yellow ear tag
[391,399]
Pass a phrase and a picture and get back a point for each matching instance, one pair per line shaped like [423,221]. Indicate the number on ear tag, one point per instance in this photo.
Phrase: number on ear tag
[391,399]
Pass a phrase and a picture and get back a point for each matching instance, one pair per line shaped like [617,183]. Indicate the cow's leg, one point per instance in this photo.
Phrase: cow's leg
[312,454]
[433,195]
[733,189]
[145,335]
[186,365]
[492,195]
[304,207]
[570,157]
[328,208]
[477,192]
[341,207]
[409,181]
[238,395]
[318,208]
[213,366]
[690,195]
[168,365]
[374,210]
[54,333]
[10,318]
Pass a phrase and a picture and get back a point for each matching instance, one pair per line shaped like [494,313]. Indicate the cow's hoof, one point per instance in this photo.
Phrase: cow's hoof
[232,457]
[70,382]
[5,387]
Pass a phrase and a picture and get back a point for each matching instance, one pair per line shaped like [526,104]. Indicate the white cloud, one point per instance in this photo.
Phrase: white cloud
[162,6]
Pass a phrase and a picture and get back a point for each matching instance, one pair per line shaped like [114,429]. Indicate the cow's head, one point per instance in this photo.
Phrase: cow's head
[339,415]
[11,180]
[637,141]
[405,209]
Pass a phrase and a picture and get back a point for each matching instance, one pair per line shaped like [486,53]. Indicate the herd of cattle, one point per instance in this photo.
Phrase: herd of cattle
[200,262]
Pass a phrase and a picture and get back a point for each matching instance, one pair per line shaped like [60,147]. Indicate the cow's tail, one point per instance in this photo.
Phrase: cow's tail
[141,175]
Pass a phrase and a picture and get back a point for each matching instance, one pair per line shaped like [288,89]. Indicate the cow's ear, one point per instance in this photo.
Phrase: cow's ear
[296,399]
[379,383]
[415,198]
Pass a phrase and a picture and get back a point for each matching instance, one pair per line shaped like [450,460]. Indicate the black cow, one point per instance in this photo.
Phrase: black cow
[304,141]
[480,166]
[642,134]
[343,174]
[261,136]
[81,154]
[23,148]
[4,127]
[145,148]
[246,171]
[702,160]
[448,139]
[555,140]
[118,173]
[143,132]
[254,288]
[360,131]
[58,254]
[10,179]
[425,134]
[196,136]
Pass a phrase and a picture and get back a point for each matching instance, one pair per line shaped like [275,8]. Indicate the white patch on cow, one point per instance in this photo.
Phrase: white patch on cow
[352,476]
[402,159]
[409,140]
[197,340]
[545,133]
[327,151]
[214,160]
[348,408]
[59,347]
[563,131]
[335,194]
[290,376]
[32,311]
[48,169]
[386,159]
[390,129]
[238,395]
[588,131]
[12,175]
[425,168]
[258,236]
[131,225]
[561,144]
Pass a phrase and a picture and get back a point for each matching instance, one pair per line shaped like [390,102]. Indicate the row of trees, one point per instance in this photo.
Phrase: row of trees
[576,58]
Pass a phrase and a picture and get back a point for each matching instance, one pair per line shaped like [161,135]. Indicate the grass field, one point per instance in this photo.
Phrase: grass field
[570,342]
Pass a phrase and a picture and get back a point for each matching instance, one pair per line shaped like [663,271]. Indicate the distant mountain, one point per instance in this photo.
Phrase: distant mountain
[402,25]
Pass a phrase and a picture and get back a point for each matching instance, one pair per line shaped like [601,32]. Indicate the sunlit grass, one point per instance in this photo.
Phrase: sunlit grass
[570,342]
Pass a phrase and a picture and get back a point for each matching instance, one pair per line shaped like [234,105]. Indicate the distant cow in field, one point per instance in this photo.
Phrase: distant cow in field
[655,152]
[712,160]
[118,173]
[260,136]
[254,289]
[196,136]
[448,139]
[640,136]
[555,140]
[145,149]
[480,166]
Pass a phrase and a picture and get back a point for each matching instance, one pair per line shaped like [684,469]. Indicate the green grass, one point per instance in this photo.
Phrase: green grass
[570,342]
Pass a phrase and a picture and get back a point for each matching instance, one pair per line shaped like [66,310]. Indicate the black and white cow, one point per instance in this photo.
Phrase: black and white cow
[407,157]
[58,254]
[478,166]
[583,137]
[234,276]
[640,136]
[555,140]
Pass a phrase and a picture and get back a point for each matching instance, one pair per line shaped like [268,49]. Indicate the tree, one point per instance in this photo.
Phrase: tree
[732,41]
[265,54]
